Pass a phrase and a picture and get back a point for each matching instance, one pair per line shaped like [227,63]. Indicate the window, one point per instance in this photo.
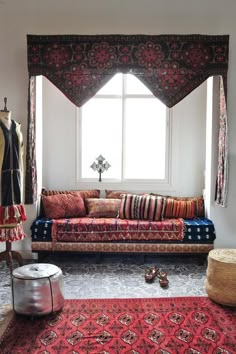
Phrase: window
[126,124]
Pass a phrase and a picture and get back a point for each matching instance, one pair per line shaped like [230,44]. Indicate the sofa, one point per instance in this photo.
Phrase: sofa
[121,222]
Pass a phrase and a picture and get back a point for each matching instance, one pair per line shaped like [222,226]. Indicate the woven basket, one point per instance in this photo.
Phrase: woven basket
[221,276]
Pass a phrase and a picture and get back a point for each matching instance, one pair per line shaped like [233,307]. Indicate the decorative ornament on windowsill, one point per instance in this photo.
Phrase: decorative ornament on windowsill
[100,166]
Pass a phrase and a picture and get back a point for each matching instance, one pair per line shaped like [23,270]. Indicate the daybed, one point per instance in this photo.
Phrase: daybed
[122,222]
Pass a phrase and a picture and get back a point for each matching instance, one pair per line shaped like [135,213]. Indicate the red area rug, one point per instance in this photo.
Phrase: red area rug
[190,325]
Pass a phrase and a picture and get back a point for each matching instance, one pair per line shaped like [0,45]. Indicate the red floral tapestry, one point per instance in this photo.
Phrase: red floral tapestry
[190,325]
[171,66]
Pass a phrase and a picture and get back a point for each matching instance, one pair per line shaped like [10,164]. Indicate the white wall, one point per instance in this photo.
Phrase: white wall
[18,18]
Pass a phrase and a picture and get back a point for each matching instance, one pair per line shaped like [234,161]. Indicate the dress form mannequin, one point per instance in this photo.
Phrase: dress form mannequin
[5,117]
[10,192]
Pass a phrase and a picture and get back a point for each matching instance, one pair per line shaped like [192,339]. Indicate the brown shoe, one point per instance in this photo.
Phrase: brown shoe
[150,274]
[163,281]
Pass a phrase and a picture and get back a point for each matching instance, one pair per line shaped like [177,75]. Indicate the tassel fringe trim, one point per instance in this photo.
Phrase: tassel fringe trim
[11,234]
[12,214]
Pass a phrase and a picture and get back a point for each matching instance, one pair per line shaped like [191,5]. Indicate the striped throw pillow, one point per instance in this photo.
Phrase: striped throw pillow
[199,204]
[179,208]
[152,207]
[141,207]
[131,206]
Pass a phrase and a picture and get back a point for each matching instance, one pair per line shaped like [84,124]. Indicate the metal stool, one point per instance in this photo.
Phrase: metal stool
[37,289]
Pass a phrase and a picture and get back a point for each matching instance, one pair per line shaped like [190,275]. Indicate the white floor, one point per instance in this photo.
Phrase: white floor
[114,276]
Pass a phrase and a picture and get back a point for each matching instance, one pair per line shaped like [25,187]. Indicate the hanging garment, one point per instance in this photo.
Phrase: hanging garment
[11,166]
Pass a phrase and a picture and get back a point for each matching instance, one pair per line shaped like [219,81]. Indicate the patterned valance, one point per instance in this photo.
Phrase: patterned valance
[171,66]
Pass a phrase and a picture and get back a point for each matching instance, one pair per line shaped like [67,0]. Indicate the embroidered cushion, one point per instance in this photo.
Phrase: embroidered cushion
[102,207]
[63,206]
[174,208]
[88,193]
[143,207]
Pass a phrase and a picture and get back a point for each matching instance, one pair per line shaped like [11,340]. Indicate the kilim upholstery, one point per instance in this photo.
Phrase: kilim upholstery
[120,235]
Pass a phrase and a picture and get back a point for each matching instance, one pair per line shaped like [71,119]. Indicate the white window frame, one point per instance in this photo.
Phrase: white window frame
[125,184]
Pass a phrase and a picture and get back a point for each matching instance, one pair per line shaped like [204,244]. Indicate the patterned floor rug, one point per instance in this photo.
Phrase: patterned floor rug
[188,325]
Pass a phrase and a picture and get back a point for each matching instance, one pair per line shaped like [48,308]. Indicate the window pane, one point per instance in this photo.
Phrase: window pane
[145,139]
[101,134]
[113,87]
[135,86]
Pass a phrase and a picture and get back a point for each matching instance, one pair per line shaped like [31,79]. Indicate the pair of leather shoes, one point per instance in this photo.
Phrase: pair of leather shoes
[152,272]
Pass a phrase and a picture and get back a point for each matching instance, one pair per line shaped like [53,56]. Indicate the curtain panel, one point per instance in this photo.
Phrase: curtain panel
[171,66]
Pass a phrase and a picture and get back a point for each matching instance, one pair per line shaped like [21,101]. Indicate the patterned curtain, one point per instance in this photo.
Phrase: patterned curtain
[171,66]
[31,172]
[222,170]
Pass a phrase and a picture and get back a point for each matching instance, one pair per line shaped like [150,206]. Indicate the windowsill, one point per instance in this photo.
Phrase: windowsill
[129,186]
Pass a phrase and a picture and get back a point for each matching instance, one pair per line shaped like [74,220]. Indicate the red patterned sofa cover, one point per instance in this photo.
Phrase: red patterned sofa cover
[88,233]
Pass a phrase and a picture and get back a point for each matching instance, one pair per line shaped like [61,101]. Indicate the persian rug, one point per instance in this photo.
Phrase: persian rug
[189,325]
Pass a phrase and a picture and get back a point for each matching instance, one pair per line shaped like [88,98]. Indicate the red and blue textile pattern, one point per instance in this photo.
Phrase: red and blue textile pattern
[112,229]
[195,230]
